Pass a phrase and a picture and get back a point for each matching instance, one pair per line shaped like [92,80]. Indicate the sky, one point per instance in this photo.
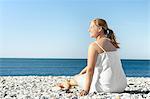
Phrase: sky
[59,28]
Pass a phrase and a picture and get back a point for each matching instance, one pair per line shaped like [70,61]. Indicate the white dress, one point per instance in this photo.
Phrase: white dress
[108,74]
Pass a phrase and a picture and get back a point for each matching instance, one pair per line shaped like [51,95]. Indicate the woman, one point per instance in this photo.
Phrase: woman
[104,70]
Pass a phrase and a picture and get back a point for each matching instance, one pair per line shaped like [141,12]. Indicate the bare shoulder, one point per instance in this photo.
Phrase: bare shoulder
[92,45]
[92,49]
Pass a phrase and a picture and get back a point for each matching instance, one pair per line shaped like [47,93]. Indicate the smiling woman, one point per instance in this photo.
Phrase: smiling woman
[104,71]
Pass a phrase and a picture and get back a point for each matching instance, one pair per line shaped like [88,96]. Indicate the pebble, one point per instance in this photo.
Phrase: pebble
[43,87]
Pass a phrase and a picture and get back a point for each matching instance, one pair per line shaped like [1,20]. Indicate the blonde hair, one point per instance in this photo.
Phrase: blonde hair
[108,32]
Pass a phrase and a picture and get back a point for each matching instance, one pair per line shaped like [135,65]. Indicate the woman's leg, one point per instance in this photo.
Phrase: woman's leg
[64,84]
[73,82]
[67,84]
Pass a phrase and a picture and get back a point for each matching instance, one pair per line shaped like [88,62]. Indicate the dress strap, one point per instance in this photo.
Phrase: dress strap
[100,46]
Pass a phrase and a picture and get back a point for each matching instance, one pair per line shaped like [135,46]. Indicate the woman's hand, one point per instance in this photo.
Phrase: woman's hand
[83,71]
[83,93]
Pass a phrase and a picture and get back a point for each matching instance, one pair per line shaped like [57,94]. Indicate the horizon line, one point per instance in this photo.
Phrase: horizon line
[67,58]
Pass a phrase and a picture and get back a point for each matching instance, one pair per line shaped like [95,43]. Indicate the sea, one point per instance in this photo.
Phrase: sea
[64,67]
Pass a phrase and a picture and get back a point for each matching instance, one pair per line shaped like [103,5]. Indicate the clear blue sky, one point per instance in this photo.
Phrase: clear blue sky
[58,28]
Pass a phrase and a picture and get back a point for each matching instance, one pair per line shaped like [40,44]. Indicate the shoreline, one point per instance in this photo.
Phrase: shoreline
[43,87]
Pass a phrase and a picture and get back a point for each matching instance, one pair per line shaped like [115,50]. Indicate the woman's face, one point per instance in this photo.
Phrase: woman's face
[94,30]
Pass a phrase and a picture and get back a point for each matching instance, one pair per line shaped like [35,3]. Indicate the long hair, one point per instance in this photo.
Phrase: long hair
[107,31]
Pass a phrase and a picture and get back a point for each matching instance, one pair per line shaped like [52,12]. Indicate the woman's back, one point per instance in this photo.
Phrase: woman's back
[106,45]
[108,73]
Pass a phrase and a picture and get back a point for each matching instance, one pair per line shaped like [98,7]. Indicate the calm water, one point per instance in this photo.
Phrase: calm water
[64,67]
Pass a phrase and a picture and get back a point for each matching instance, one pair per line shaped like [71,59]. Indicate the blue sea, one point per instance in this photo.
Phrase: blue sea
[64,67]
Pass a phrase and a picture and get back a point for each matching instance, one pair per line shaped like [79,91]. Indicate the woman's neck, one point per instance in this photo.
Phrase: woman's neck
[100,37]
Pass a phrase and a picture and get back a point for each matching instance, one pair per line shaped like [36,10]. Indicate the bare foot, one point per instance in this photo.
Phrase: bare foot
[64,85]
[60,85]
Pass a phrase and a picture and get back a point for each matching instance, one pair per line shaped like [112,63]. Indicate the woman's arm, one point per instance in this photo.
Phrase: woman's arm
[92,56]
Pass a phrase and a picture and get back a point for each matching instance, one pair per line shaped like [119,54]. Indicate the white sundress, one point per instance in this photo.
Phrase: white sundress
[108,74]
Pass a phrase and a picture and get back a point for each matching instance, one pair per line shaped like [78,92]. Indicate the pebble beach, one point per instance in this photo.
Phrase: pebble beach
[43,87]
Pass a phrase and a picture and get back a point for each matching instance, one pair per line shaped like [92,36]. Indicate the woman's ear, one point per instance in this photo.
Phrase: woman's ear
[100,29]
